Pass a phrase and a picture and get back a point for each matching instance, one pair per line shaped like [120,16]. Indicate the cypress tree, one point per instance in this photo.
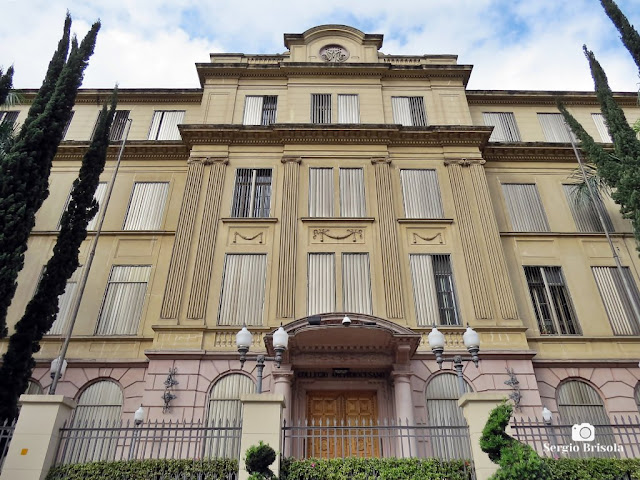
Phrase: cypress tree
[17,365]
[628,34]
[25,170]
[6,82]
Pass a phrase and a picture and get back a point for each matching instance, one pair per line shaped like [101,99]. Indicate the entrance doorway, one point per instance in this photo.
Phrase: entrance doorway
[336,416]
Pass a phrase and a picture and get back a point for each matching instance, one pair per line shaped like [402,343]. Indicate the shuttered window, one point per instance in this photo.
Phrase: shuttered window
[615,299]
[504,126]
[320,108]
[124,299]
[9,117]
[356,283]
[584,210]
[66,127]
[117,126]
[260,110]
[65,304]
[554,128]
[433,290]
[98,196]
[525,207]
[321,283]
[348,109]
[352,200]
[551,301]
[598,119]
[164,124]
[243,287]
[421,193]
[252,193]
[146,207]
[321,192]
[409,111]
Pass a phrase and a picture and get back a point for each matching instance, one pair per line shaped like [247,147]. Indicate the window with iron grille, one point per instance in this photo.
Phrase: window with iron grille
[525,207]
[615,299]
[123,300]
[554,128]
[260,109]
[433,290]
[584,210]
[320,108]
[348,108]
[66,127]
[601,125]
[351,190]
[146,207]
[243,288]
[252,193]
[164,124]
[421,193]
[98,196]
[504,126]
[409,111]
[551,301]
[9,117]
[117,126]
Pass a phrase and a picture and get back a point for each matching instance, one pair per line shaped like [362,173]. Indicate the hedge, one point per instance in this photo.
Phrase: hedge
[213,469]
[594,468]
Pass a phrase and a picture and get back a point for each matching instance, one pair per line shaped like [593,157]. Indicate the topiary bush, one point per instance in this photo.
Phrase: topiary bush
[257,461]
[517,461]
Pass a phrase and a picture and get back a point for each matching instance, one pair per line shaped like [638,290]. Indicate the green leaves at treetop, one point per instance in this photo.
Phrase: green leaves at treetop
[6,82]
[629,36]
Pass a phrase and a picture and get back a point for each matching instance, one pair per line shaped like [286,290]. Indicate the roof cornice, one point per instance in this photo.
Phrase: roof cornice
[529,152]
[134,150]
[130,95]
[531,97]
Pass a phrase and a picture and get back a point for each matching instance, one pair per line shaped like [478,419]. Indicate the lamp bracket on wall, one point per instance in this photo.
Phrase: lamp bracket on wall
[168,395]
[514,383]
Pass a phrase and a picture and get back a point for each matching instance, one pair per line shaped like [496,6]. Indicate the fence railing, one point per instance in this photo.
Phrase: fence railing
[6,434]
[619,439]
[94,441]
[385,438]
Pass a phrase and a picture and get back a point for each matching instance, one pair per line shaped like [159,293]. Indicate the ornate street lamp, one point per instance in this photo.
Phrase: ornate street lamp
[471,340]
[243,342]
[57,365]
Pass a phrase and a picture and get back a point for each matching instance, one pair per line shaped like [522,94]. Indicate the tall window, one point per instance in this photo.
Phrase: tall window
[421,193]
[356,283]
[637,395]
[525,207]
[117,126]
[551,301]
[123,300]
[320,108]
[321,283]
[9,117]
[583,210]
[321,192]
[146,207]
[66,127]
[433,290]
[409,111]
[348,109]
[601,125]
[33,388]
[615,299]
[65,304]
[252,193]
[98,196]
[554,128]
[504,126]
[260,110]
[164,124]
[243,286]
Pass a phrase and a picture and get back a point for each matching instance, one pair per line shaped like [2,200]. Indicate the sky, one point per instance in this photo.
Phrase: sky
[512,44]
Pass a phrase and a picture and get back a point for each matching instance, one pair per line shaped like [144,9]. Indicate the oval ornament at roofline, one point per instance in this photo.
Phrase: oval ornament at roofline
[334,53]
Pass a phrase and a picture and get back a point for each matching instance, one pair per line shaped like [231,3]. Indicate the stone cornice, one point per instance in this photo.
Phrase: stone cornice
[130,95]
[138,150]
[529,152]
[279,134]
[545,98]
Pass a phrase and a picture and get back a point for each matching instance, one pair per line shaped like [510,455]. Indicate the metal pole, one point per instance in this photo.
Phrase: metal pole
[85,272]
[260,367]
[457,363]
[616,259]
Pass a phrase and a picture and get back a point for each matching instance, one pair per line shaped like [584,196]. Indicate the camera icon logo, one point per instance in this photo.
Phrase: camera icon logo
[583,432]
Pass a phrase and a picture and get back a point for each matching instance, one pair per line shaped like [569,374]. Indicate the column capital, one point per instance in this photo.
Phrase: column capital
[208,160]
[380,160]
[291,159]
[464,162]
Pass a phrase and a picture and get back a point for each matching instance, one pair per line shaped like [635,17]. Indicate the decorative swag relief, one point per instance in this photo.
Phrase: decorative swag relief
[325,235]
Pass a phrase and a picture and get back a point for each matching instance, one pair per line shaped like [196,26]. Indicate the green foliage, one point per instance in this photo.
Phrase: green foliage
[516,460]
[214,469]
[258,459]
[594,468]
[353,468]
[628,34]
[6,82]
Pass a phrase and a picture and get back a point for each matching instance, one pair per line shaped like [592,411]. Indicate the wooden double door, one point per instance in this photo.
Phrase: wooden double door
[342,424]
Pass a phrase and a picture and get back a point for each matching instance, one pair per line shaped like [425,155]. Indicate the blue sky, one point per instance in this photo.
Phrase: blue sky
[517,44]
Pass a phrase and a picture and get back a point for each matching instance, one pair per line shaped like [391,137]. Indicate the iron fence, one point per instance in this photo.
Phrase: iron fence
[619,439]
[95,441]
[6,434]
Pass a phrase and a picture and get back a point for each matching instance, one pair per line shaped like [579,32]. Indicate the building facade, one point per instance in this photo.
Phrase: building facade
[331,180]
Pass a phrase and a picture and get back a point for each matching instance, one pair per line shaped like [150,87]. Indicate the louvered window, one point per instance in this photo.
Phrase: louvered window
[584,210]
[9,117]
[504,126]
[65,305]
[433,290]
[146,207]
[321,283]
[352,201]
[321,192]
[409,111]
[525,207]
[601,125]
[615,299]
[356,283]
[260,110]
[551,301]
[225,411]
[252,193]
[164,125]
[554,128]
[33,388]
[351,187]
[117,126]
[66,127]
[421,194]
[348,109]
[243,287]
[320,108]
[124,299]
[98,196]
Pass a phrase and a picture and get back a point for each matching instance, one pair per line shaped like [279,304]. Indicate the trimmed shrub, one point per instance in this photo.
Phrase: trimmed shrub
[594,468]
[257,461]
